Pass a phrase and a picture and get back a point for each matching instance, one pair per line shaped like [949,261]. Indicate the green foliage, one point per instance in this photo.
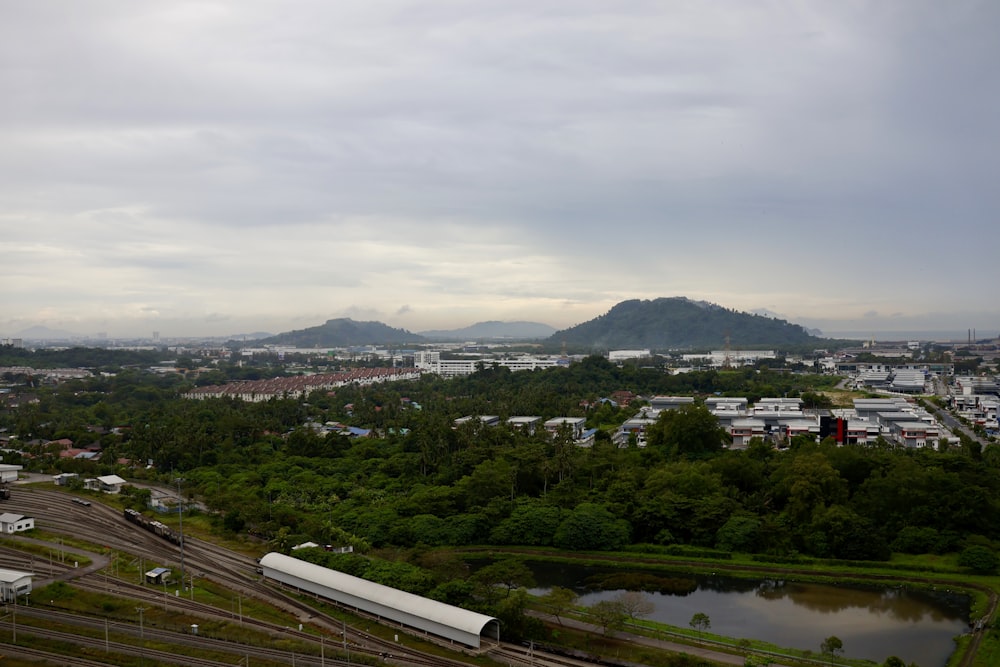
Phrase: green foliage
[135,497]
[559,601]
[609,615]
[507,574]
[530,523]
[832,645]
[689,431]
[591,527]
[671,323]
[980,559]
[420,482]
[739,533]
[700,622]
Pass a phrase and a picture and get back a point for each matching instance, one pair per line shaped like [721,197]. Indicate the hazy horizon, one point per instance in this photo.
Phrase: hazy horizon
[933,334]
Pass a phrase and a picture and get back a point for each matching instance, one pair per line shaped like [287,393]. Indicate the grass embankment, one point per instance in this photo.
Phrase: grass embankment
[121,611]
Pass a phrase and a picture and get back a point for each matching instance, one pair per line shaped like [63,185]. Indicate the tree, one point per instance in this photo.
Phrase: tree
[509,573]
[700,622]
[635,604]
[893,661]
[609,615]
[691,430]
[559,600]
[832,646]
[591,527]
[979,559]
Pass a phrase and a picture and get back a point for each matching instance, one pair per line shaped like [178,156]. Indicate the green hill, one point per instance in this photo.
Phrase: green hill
[679,323]
[344,332]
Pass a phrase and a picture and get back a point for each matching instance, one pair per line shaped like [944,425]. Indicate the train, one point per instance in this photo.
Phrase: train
[152,526]
[4,492]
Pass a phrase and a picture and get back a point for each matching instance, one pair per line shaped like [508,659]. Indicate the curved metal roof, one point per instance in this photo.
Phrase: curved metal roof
[431,610]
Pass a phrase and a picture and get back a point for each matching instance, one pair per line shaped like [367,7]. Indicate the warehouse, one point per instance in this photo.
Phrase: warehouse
[437,618]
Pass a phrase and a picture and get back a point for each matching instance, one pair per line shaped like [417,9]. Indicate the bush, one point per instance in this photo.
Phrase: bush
[979,559]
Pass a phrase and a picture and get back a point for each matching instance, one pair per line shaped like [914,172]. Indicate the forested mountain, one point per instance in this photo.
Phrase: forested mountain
[494,330]
[680,323]
[344,331]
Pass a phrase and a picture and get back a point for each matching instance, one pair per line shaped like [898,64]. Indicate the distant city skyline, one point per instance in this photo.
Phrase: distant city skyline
[206,169]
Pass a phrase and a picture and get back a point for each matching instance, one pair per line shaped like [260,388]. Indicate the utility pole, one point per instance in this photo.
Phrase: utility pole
[180,516]
[142,637]
[346,650]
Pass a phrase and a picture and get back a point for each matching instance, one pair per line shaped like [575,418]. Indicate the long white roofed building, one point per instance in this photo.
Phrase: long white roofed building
[443,620]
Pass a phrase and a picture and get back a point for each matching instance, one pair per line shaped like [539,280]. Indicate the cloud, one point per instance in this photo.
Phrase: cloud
[496,160]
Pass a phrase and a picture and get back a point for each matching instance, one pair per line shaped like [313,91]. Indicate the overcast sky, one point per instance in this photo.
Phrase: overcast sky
[215,168]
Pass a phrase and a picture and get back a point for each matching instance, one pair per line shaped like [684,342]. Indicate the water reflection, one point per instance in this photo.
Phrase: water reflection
[873,622]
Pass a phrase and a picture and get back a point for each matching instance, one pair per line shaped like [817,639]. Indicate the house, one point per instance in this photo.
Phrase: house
[743,431]
[8,473]
[62,479]
[13,584]
[15,523]
[108,483]
[485,420]
[575,425]
[670,402]
[527,423]
[637,427]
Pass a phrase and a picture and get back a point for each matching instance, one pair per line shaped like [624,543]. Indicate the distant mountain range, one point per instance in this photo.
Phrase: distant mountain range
[659,324]
[673,323]
[44,333]
[680,323]
[494,330]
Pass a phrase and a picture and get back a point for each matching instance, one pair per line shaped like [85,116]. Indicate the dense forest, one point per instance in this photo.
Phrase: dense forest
[269,469]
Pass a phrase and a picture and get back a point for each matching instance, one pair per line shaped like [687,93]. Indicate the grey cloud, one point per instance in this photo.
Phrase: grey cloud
[684,147]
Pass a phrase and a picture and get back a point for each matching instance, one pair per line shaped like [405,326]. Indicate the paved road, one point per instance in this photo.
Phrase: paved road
[98,561]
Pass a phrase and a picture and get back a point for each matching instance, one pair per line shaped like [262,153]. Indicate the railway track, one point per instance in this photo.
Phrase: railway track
[55,511]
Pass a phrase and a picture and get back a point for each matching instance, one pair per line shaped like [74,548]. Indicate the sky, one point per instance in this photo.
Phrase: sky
[213,168]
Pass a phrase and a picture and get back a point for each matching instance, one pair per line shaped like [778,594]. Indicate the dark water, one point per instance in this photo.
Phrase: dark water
[873,622]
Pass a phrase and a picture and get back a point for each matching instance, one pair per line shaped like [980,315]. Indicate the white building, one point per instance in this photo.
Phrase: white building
[526,423]
[15,523]
[720,358]
[432,362]
[8,472]
[622,355]
[107,483]
[13,584]
[437,618]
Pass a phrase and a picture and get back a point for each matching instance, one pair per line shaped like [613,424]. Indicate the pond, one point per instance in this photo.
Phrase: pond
[872,622]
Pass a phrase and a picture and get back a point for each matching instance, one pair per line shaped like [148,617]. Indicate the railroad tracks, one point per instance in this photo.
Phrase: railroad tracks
[57,512]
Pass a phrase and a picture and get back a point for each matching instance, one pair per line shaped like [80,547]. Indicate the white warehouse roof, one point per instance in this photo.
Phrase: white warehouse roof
[418,612]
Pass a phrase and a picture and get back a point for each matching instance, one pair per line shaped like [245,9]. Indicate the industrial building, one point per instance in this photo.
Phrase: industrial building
[437,618]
